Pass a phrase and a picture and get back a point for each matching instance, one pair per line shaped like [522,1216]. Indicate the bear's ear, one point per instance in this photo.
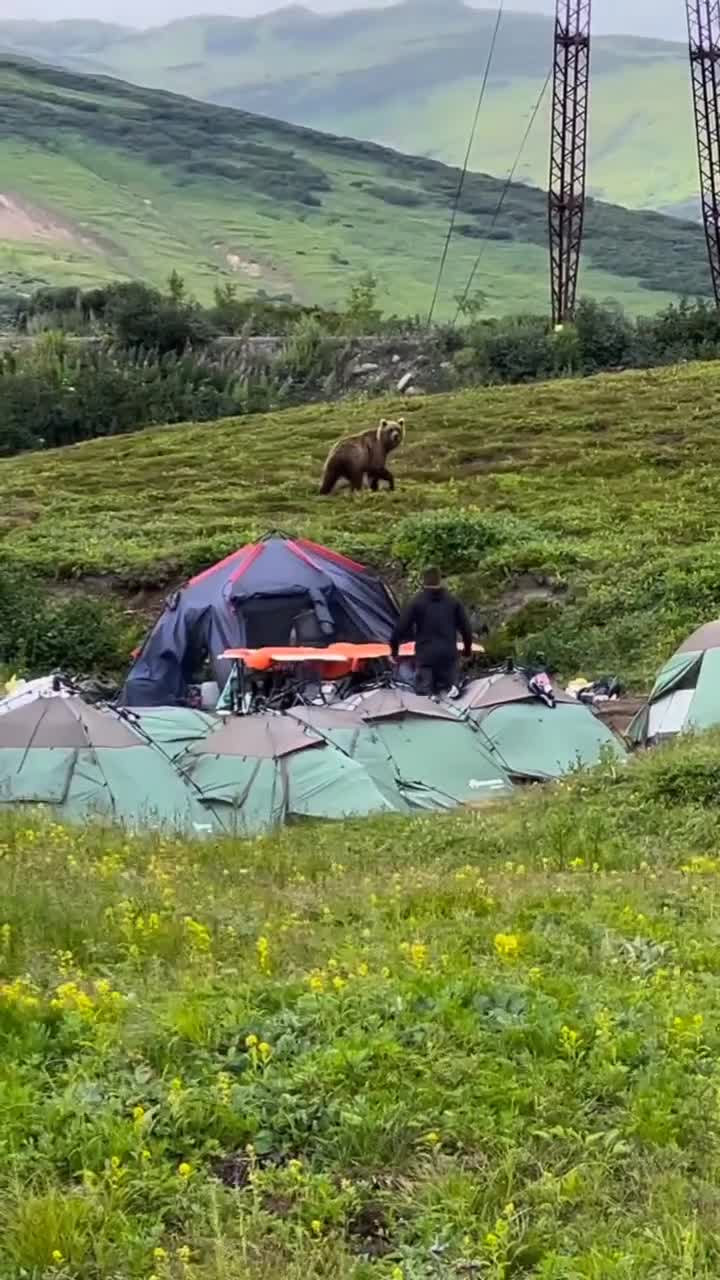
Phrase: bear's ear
[383,423]
[401,423]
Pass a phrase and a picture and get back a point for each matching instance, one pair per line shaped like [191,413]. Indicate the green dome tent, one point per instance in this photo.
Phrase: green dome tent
[535,742]
[686,693]
[419,752]
[258,771]
[83,764]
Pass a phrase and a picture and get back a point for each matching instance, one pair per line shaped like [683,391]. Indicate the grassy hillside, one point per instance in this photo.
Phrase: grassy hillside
[408,76]
[101,179]
[391,1051]
[583,511]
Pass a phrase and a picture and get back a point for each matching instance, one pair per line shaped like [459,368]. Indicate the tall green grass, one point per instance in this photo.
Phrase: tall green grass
[389,1049]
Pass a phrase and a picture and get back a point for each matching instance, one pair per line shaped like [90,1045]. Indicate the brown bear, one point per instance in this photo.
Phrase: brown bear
[355,457]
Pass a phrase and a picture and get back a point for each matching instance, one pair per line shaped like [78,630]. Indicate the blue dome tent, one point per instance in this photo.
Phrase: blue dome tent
[277,591]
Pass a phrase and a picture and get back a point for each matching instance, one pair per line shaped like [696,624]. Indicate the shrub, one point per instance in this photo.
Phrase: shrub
[141,317]
[455,540]
[76,635]
[308,354]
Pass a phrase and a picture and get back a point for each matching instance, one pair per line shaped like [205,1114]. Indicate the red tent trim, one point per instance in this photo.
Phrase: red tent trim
[200,577]
[252,554]
[331,555]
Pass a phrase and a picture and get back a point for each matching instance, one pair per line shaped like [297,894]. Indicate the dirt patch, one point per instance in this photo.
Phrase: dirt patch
[243,265]
[527,590]
[20,220]
[370,1232]
[233,1171]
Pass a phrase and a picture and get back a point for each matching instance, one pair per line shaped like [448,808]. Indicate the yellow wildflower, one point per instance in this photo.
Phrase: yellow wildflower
[159,1254]
[198,935]
[57,1257]
[224,1085]
[316,1226]
[262,946]
[418,955]
[70,998]
[183,1254]
[251,1042]
[507,945]
[265,1050]
[184,1170]
[570,1040]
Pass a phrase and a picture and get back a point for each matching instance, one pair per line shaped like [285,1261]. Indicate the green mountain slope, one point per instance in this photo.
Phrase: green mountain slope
[99,179]
[610,558]
[407,76]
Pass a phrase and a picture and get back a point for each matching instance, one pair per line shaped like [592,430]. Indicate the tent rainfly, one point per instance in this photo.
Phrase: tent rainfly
[686,693]
[84,764]
[258,771]
[531,740]
[419,752]
[276,591]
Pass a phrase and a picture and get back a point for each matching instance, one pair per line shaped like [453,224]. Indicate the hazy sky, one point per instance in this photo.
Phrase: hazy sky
[662,18]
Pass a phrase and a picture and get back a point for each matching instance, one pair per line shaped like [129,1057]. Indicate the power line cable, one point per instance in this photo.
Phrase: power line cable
[463,172]
[503,193]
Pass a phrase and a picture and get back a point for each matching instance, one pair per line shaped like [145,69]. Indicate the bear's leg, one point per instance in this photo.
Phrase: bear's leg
[388,477]
[329,480]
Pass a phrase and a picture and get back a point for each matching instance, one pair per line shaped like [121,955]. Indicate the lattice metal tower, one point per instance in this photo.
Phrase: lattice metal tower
[704,31]
[568,150]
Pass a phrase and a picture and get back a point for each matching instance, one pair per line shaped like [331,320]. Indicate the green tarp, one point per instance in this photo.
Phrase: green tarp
[172,729]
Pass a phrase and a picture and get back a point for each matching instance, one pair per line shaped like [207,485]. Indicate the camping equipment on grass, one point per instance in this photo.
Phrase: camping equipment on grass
[259,771]
[535,741]
[277,678]
[84,764]
[415,749]
[686,693]
[260,595]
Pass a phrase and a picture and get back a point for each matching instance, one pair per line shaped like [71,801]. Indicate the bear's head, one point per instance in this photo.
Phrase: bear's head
[391,434]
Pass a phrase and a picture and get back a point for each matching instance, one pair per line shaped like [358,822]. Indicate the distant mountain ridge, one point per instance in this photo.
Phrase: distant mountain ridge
[100,179]
[407,76]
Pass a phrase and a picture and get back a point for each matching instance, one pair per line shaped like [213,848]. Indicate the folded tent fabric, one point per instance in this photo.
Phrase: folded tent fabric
[171,729]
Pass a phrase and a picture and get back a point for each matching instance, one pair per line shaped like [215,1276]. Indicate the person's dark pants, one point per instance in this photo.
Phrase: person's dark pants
[440,677]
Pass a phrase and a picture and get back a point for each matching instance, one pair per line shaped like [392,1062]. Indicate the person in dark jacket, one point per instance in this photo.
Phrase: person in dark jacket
[433,619]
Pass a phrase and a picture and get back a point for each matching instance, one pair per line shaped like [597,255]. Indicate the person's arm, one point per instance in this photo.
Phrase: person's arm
[462,623]
[404,628]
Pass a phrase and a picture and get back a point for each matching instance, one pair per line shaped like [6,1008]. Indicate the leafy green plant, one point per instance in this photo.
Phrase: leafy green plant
[455,540]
